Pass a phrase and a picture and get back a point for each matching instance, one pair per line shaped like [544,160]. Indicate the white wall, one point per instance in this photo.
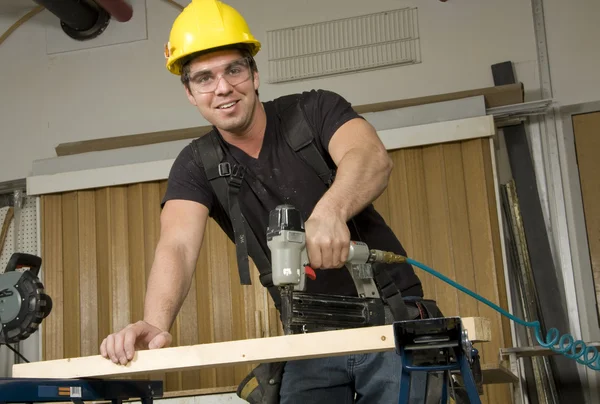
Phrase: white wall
[573,32]
[124,89]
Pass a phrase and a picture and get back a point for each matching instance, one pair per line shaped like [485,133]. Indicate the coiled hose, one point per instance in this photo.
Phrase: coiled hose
[567,345]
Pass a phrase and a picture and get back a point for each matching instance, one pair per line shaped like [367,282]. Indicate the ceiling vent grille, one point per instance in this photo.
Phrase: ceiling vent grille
[372,41]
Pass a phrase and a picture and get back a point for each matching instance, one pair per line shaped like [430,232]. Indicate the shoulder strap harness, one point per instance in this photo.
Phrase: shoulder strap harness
[226,181]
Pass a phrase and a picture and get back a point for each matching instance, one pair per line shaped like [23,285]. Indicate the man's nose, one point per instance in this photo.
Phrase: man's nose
[223,86]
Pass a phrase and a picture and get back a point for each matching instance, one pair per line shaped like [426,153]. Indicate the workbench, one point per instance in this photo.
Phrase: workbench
[44,390]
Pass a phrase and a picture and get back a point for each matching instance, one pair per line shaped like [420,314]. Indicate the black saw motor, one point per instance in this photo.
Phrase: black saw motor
[23,303]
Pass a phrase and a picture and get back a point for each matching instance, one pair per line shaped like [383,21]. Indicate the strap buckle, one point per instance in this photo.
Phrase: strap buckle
[237,176]
[224,169]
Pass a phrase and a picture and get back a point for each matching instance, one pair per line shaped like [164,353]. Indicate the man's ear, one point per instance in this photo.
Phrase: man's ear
[256,80]
[190,96]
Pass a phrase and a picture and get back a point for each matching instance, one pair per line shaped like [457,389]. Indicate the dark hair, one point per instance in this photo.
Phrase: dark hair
[244,50]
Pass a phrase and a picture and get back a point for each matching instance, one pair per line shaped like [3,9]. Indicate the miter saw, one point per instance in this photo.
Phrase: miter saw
[23,306]
[23,302]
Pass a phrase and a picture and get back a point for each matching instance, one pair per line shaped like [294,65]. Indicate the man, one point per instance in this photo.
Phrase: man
[212,49]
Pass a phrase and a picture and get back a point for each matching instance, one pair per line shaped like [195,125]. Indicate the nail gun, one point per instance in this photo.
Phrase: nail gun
[303,312]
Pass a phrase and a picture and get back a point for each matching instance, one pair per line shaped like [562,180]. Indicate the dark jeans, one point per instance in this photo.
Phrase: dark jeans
[373,378]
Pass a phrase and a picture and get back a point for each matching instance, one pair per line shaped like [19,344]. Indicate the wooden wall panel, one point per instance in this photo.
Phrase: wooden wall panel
[586,128]
[53,325]
[88,273]
[99,245]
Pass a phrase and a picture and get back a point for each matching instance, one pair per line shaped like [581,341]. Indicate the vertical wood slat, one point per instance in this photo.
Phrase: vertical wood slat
[136,224]
[220,280]
[204,312]
[88,301]
[440,203]
[71,291]
[52,247]
[119,259]
[103,253]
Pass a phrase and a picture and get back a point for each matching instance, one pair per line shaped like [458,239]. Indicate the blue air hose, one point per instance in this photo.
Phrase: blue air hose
[567,345]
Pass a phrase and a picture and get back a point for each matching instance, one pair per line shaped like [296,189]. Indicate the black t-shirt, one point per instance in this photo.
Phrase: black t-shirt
[287,179]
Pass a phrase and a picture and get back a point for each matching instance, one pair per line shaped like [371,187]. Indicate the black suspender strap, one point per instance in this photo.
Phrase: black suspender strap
[226,181]
[390,292]
[299,135]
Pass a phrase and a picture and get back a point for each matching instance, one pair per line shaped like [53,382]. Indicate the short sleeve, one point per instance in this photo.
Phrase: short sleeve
[327,111]
[188,181]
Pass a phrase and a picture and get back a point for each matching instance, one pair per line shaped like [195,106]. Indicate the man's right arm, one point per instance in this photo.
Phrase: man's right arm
[182,230]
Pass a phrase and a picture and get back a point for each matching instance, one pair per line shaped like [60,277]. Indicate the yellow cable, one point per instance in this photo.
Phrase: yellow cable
[34,11]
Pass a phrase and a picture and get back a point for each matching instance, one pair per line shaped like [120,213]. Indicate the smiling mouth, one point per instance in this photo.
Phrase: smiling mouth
[227,106]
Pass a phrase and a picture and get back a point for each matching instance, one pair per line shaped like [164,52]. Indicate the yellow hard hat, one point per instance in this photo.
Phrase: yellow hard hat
[204,25]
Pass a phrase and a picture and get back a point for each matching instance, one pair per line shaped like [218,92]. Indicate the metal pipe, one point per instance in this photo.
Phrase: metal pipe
[79,19]
[75,13]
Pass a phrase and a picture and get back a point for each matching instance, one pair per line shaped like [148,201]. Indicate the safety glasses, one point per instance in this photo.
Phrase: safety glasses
[207,80]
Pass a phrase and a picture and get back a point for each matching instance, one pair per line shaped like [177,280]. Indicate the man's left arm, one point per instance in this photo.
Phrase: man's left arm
[363,170]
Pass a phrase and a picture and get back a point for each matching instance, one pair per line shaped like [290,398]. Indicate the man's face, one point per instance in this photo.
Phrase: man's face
[223,87]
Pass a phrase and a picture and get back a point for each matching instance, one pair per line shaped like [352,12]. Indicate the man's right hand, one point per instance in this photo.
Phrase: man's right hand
[121,346]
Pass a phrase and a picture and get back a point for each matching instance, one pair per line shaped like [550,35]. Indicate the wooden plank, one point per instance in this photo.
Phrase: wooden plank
[587,145]
[494,97]
[85,146]
[220,354]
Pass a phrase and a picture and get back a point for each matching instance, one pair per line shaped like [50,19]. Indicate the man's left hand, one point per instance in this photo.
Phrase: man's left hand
[327,240]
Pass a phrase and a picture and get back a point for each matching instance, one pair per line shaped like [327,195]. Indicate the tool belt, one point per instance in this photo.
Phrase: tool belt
[262,384]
